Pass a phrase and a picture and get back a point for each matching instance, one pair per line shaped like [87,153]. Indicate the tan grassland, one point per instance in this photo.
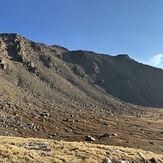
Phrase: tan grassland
[13,149]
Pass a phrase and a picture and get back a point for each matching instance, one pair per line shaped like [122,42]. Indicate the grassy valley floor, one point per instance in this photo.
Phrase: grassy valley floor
[16,149]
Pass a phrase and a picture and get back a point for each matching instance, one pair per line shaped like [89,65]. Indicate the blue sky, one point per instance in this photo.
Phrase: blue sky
[133,27]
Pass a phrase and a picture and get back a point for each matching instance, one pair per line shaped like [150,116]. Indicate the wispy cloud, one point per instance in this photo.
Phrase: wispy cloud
[157,59]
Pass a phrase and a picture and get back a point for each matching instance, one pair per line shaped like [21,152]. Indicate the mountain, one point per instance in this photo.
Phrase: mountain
[77,79]
[52,92]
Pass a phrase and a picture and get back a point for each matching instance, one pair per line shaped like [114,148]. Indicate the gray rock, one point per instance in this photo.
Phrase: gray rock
[140,154]
[89,138]
[105,135]
[43,146]
[107,160]
[116,152]
[153,160]
[124,161]
[114,134]
[44,115]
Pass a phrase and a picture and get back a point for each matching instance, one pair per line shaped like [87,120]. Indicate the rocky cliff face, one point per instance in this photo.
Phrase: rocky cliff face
[43,74]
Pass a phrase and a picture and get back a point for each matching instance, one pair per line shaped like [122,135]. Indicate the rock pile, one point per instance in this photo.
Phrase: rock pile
[43,146]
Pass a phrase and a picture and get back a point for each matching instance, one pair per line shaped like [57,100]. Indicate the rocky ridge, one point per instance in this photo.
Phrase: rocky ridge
[37,73]
[77,78]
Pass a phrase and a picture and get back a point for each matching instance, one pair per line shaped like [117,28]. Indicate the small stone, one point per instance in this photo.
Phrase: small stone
[107,160]
[153,160]
[140,154]
[52,135]
[105,123]
[124,161]
[105,135]
[116,152]
[34,154]
[114,134]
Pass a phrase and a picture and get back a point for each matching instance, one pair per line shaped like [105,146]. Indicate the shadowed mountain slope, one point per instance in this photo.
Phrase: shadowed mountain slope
[120,76]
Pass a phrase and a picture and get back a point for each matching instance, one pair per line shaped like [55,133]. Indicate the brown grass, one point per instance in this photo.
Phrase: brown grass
[12,150]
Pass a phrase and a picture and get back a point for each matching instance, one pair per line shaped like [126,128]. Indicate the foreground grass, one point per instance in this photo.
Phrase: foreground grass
[15,149]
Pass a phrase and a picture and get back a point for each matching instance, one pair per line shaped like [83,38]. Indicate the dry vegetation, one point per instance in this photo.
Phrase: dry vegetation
[15,149]
[70,129]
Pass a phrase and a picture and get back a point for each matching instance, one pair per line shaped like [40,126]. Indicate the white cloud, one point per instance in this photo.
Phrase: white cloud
[157,59]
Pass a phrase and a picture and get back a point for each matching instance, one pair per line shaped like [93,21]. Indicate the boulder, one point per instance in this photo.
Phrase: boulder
[89,138]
